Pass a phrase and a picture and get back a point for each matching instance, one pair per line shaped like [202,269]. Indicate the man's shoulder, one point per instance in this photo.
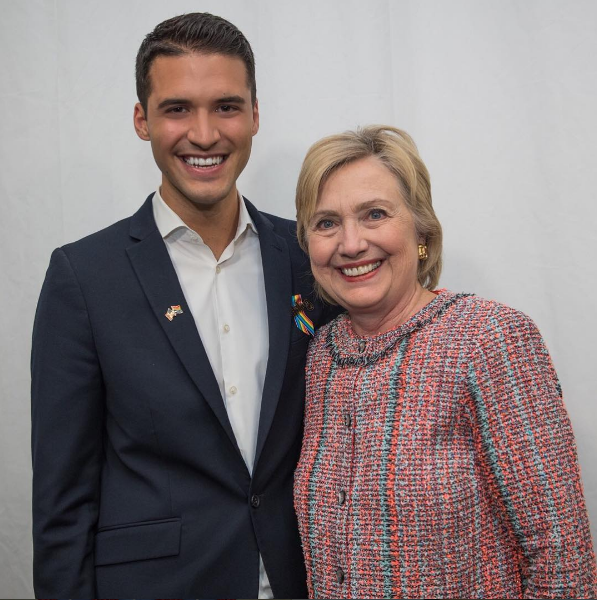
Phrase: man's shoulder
[278,221]
[115,236]
[285,228]
[101,237]
[282,226]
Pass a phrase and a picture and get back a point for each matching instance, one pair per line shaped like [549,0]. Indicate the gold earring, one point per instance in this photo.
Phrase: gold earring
[423,252]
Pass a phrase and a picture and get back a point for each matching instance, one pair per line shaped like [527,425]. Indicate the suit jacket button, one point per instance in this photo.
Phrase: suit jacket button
[347,419]
[339,575]
[255,501]
[341,497]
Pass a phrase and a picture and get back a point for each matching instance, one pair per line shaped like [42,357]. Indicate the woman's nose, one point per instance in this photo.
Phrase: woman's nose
[353,241]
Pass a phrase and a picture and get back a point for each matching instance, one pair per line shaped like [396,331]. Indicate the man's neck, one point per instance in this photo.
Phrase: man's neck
[216,224]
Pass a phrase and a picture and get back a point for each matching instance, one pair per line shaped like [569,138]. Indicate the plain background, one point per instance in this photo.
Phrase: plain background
[501,98]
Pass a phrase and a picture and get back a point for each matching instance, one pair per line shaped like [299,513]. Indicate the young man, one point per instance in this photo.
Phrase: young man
[167,393]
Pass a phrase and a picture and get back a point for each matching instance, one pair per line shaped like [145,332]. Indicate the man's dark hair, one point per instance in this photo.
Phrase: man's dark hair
[193,32]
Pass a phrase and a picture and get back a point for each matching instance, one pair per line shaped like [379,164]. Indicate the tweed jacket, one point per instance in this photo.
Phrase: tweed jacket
[438,461]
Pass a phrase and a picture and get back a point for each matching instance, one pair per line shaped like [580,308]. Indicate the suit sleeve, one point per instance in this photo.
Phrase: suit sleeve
[529,447]
[67,399]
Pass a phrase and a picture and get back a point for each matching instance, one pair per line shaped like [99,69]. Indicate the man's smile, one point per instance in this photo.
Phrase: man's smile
[210,161]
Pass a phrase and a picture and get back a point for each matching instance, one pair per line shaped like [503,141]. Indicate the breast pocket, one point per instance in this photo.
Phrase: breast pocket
[137,541]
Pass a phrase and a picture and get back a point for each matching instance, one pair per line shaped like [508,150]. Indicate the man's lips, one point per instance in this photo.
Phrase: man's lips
[201,161]
[358,270]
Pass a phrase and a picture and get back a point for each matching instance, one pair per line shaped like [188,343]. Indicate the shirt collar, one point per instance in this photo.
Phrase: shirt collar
[169,222]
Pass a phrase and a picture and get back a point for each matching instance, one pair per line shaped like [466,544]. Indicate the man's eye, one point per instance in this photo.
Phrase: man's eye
[177,109]
[226,108]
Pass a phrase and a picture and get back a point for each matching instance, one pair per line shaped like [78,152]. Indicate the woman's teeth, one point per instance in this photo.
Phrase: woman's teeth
[354,271]
[204,162]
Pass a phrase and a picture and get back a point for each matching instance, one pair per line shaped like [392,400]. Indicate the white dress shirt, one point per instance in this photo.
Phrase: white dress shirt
[227,300]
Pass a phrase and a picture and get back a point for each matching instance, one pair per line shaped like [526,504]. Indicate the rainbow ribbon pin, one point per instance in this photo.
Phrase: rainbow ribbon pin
[300,318]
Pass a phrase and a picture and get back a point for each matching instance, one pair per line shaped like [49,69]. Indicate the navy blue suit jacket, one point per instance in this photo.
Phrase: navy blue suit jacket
[139,488]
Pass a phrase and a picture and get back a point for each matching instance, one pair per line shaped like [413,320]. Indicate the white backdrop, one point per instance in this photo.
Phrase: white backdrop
[501,98]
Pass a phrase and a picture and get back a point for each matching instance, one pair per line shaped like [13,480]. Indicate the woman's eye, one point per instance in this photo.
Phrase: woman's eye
[377,214]
[325,224]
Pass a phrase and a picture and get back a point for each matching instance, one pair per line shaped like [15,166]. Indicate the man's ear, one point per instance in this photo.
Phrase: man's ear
[140,122]
[255,127]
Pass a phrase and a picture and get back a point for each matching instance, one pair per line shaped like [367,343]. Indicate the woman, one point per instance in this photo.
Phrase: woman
[438,460]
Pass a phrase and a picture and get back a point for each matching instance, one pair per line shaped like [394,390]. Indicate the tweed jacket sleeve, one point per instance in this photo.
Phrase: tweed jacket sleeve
[521,423]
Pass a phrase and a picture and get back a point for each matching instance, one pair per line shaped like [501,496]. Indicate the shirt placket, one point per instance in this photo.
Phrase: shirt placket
[229,376]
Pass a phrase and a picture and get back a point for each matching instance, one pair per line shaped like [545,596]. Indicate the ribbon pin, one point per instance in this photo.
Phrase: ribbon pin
[300,318]
[173,311]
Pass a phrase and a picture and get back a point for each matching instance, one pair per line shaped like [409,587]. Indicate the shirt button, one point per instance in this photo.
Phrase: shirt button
[255,501]
[226,328]
[362,346]
[341,497]
[218,269]
[233,390]
[339,575]
[347,420]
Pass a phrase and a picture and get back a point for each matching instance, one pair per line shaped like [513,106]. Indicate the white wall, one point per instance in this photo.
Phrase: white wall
[500,97]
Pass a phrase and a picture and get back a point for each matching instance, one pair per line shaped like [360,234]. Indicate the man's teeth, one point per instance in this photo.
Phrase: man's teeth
[203,162]
[354,271]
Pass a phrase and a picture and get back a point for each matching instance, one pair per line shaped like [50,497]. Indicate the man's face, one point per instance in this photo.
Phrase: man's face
[200,122]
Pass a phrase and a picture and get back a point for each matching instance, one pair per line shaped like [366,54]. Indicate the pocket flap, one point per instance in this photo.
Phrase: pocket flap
[137,541]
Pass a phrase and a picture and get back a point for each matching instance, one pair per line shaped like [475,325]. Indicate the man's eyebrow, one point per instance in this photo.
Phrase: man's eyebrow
[171,102]
[231,100]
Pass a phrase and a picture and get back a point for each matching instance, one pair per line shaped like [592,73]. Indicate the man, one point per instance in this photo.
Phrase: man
[167,365]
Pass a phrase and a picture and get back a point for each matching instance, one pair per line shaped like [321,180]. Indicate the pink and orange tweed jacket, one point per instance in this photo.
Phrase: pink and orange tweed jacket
[439,462]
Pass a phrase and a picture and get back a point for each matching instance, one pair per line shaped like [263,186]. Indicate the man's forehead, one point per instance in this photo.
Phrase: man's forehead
[198,61]
[222,74]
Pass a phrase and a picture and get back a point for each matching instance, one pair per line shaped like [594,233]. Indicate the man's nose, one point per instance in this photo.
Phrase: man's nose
[203,131]
[353,241]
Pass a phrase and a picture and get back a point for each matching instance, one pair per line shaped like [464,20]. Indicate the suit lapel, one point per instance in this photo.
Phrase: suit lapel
[158,279]
[277,272]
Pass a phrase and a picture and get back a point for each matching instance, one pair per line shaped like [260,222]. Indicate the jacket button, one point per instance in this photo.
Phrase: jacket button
[341,497]
[347,419]
[339,575]
[255,501]
[362,346]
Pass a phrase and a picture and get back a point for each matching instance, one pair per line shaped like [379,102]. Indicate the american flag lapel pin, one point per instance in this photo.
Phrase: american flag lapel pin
[302,321]
[173,311]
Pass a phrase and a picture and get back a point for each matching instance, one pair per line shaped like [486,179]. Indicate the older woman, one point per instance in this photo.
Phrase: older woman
[438,460]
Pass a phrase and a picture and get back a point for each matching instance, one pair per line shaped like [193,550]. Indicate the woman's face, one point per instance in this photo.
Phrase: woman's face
[362,240]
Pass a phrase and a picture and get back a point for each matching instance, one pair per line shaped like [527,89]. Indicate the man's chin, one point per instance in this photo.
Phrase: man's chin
[198,197]
[203,201]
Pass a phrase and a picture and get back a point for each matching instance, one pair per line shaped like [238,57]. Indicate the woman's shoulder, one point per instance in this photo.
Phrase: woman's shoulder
[488,321]
[475,309]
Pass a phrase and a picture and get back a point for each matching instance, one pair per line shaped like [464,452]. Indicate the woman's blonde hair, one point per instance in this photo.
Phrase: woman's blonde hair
[397,151]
